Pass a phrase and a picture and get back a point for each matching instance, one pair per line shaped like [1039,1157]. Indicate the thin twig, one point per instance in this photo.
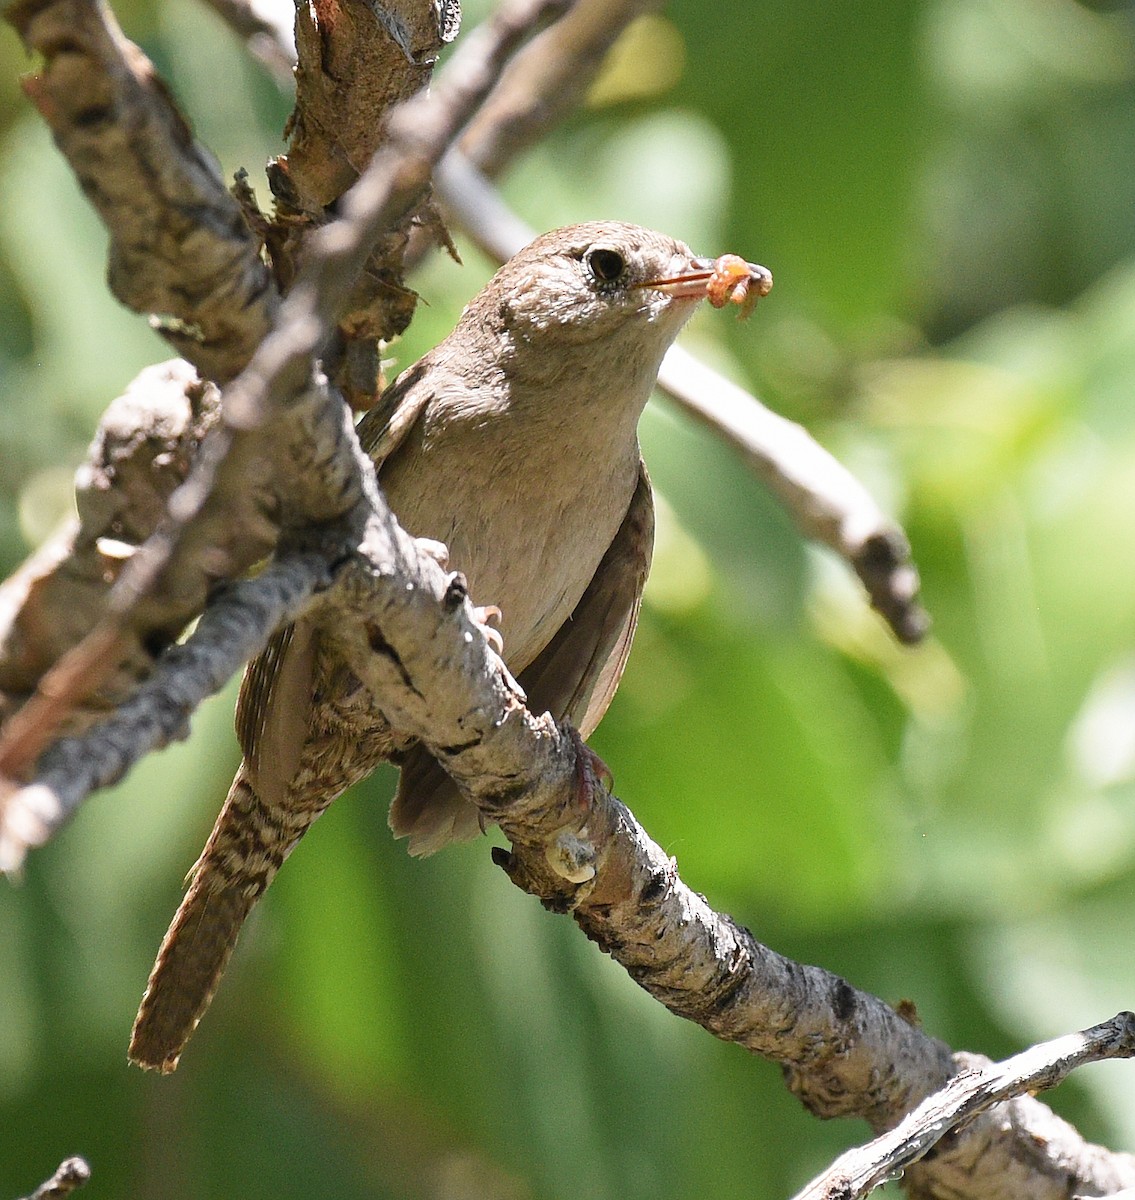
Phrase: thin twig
[61,689]
[72,1173]
[235,626]
[859,1171]
[822,497]
[266,28]
[547,81]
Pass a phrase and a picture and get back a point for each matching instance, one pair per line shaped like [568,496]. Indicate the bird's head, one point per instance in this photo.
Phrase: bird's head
[606,282]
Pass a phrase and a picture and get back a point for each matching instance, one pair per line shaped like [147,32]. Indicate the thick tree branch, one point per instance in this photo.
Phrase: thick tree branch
[270,414]
[142,451]
[844,1052]
[179,245]
[356,61]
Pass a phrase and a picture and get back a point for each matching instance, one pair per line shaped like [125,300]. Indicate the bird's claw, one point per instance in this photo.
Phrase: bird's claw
[589,770]
[483,617]
[438,551]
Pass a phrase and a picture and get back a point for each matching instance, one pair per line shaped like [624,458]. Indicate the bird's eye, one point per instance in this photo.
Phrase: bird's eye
[606,266]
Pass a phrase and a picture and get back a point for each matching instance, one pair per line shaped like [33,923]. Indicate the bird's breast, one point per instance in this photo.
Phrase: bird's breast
[526,517]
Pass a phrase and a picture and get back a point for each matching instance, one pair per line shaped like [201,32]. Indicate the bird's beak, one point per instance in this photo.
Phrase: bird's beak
[717,280]
[689,282]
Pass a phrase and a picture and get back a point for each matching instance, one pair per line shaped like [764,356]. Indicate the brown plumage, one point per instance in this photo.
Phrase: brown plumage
[513,442]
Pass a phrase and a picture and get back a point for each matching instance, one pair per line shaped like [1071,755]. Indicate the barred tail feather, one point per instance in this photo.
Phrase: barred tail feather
[190,963]
[245,850]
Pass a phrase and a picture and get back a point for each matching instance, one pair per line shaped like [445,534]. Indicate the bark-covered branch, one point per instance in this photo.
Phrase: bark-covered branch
[239,482]
[973,1092]
[823,498]
[143,450]
[356,62]
[180,248]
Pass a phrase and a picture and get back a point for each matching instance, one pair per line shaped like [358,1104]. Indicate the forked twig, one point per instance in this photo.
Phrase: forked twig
[858,1172]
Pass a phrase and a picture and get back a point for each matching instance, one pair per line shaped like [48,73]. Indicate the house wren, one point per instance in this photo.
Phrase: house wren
[514,442]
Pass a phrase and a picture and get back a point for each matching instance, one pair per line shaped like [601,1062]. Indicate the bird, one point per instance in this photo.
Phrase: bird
[514,444]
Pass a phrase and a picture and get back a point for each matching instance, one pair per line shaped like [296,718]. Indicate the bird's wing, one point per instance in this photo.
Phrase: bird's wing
[575,676]
[274,704]
[383,429]
[273,707]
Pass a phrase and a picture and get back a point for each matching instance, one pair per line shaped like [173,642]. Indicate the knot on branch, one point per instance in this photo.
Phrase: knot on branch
[572,856]
[456,592]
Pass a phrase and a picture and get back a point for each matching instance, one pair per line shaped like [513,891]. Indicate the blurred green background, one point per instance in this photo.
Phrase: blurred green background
[944,191]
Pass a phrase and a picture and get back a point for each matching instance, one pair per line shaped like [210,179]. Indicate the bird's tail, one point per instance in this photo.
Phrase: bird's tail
[245,850]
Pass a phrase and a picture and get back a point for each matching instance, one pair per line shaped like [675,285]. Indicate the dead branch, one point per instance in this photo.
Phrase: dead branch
[547,81]
[141,453]
[356,61]
[826,502]
[972,1092]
